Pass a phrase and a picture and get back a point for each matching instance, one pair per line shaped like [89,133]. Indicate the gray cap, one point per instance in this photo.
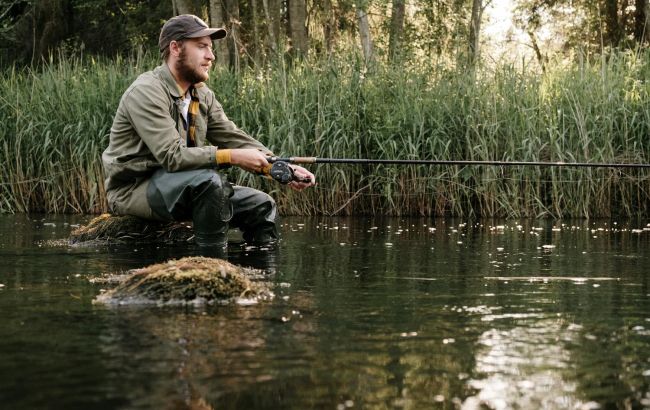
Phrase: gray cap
[187,26]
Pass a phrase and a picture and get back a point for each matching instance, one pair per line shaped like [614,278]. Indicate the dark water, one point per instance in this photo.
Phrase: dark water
[369,313]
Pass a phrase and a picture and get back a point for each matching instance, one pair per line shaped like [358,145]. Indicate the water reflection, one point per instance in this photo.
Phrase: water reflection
[207,354]
[525,366]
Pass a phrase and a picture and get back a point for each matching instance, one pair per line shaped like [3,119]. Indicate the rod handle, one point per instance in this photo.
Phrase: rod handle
[293,160]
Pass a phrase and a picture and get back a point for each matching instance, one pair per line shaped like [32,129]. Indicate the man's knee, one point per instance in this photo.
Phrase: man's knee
[266,201]
[176,194]
[211,194]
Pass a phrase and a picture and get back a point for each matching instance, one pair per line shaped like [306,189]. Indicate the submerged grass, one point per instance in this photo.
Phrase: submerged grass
[54,124]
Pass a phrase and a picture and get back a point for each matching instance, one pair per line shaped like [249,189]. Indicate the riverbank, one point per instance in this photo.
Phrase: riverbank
[54,124]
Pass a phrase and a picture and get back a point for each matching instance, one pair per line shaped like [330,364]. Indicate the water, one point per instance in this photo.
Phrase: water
[369,313]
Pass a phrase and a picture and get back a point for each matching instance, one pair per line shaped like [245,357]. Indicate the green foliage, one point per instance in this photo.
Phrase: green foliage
[583,25]
[32,31]
[55,124]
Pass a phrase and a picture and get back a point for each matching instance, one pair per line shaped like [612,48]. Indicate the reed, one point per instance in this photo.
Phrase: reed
[54,124]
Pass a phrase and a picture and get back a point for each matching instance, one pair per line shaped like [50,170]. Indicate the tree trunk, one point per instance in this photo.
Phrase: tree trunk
[329,28]
[183,6]
[538,52]
[364,34]
[613,29]
[646,33]
[276,7]
[297,19]
[641,18]
[272,42]
[217,20]
[254,44]
[475,31]
[396,29]
[232,11]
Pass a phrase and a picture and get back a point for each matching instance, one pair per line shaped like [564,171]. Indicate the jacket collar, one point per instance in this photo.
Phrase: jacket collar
[170,82]
[168,79]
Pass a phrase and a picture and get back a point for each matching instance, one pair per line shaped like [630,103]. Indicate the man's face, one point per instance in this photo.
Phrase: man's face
[195,59]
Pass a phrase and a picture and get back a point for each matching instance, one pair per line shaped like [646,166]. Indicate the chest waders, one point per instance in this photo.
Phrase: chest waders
[214,205]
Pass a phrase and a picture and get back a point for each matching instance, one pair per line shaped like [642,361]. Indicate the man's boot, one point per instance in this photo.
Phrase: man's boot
[211,213]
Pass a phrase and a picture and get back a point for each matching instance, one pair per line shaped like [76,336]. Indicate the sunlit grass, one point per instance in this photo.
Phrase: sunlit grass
[55,123]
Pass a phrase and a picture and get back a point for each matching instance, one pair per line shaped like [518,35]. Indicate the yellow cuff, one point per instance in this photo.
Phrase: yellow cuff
[223,157]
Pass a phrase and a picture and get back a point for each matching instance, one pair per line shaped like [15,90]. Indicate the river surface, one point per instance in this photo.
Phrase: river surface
[373,313]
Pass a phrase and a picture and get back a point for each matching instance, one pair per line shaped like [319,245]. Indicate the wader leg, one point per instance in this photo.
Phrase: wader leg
[202,195]
[213,204]
[254,213]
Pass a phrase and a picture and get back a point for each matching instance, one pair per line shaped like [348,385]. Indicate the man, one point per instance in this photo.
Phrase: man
[158,164]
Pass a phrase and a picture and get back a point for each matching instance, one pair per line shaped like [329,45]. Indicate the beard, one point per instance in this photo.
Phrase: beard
[187,72]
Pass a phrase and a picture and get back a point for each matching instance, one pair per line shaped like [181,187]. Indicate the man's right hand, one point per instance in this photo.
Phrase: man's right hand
[249,159]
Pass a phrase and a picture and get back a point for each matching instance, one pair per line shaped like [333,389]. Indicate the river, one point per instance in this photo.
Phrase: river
[369,313]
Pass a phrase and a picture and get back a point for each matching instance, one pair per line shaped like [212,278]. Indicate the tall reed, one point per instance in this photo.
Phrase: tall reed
[55,123]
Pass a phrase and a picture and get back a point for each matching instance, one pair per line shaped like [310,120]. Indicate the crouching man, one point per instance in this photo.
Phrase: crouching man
[158,163]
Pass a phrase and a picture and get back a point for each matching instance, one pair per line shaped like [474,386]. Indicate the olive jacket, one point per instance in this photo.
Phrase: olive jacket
[148,133]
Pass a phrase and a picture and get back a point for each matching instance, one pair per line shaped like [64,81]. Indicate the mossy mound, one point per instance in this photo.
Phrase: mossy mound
[187,280]
[120,229]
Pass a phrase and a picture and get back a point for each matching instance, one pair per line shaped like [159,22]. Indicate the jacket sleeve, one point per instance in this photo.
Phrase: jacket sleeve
[223,133]
[148,111]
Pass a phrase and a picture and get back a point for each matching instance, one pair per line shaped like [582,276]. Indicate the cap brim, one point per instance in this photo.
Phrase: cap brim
[214,33]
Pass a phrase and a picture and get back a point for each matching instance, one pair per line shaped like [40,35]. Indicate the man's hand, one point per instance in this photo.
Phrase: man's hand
[255,161]
[249,159]
[301,173]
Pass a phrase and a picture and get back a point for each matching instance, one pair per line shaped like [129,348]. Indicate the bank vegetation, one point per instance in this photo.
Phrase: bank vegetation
[55,121]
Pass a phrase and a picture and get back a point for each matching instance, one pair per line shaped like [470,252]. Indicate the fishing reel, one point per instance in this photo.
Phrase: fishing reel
[283,173]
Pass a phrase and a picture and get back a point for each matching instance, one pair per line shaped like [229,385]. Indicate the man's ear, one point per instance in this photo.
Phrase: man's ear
[175,48]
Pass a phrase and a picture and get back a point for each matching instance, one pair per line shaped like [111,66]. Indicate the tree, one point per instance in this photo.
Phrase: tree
[329,25]
[217,20]
[232,11]
[255,37]
[272,15]
[182,7]
[396,28]
[642,21]
[474,31]
[364,32]
[298,29]
[613,30]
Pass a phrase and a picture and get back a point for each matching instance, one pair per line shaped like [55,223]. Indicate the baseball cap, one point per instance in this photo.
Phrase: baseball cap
[187,26]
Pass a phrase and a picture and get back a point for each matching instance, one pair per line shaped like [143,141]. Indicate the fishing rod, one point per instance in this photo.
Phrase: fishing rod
[316,160]
[282,172]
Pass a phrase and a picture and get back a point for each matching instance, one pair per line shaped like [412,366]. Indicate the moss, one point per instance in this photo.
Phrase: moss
[113,228]
[188,279]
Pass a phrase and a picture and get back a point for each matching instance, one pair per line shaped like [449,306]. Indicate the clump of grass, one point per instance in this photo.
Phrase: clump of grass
[54,124]
[108,228]
[187,280]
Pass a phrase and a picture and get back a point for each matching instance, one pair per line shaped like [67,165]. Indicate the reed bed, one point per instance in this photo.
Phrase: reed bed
[54,124]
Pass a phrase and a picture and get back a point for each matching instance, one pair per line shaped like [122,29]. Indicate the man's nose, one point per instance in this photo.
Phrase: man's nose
[210,55]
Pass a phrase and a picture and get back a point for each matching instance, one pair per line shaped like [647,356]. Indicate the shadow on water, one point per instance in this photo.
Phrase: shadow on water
[368,313]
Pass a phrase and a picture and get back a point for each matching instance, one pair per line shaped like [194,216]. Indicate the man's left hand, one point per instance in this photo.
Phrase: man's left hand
[301,174]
